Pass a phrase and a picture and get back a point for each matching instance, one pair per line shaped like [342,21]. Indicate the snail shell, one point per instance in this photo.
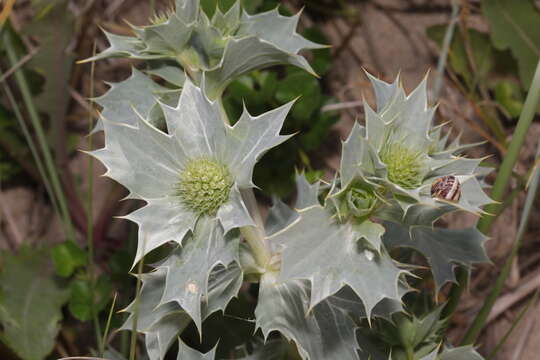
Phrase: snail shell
[446,188]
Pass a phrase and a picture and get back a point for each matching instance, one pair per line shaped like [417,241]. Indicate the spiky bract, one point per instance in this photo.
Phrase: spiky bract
[399,153]
[224,47]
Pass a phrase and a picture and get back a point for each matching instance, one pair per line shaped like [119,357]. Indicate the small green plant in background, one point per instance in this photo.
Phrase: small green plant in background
[187,152]
[494,69]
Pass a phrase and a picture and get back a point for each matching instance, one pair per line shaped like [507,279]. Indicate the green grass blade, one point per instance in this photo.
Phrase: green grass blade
[497,193]
[133,342]
[31,145]
[91,268]
[441,65]
[505,171]
[50,167]
[480,319]
[107,327]
[514,325]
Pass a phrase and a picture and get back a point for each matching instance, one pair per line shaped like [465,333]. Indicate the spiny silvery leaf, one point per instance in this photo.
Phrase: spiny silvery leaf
[399,155]
[275,349]
[346,299]
[138,92]
[307,194]
[224,47]
[306,245]
[412,332]
[171,74]
[162,323]
[189,266]
[159,323]
[431,356]
[368,349]
[125,46]
[187,353]
[161,336]
[227,23]
[280,215]
[261,40]
[460,353]
[443,248]
[197,168]
[324,332]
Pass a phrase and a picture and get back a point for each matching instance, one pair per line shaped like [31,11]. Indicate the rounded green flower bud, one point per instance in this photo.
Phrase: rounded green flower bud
[204,186]
[360,202]
[405,166]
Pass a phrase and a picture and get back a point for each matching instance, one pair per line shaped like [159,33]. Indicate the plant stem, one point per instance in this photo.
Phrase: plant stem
[90,218]
[410,353]
[31,145]
[133,342]
[505,172]
[40,134]
[107,326]
[254,235]
[454,18]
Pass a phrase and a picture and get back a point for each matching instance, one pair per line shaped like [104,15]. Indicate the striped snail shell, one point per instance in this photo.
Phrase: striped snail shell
[446,188]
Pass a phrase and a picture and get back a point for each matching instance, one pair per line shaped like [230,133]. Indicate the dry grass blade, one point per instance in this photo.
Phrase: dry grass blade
[6,11]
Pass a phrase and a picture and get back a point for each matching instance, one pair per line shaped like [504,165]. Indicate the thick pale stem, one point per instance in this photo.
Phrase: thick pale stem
[257,245]
[254,235]
[410,353]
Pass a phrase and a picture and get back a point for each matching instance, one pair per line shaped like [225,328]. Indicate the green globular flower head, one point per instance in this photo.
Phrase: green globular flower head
[405,166]
[204,186]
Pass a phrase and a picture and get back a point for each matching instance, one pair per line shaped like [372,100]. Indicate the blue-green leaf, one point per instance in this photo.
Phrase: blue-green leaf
[187,353]
[307,194]
[443,248]
[188,268]
[460,353]
[250,138]
[308,241]
[161,324]
[138,93]
[324,332]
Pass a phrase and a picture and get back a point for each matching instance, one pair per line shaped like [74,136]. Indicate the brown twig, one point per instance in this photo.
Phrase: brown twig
[345,42]
[351,49]
[415,9]
[373,49]
[530,283]
[17,236]
[19,63]
[107,213]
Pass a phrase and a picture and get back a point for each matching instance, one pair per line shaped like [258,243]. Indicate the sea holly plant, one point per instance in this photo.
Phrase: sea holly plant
[331,284]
